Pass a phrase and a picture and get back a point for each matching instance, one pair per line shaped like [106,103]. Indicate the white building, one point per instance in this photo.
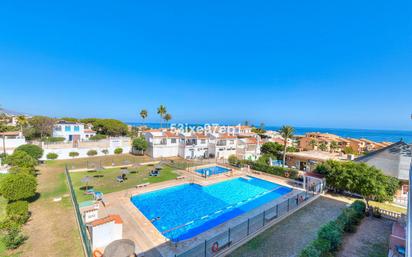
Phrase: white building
[193,145]
[248,148]
[72,132]
[162,143]
[221,146]
[105,230]
[10,141]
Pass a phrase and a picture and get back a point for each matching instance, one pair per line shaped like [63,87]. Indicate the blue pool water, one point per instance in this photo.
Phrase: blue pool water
[212,170]
[182,212]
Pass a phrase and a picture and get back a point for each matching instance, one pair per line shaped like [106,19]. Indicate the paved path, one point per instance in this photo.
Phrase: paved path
[291,235]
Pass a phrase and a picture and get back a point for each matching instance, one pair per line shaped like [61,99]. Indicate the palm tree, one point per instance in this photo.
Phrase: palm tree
[167,117]
[313,143]
[333,146]
[323,146]
[286,132]
[22,122]
[143,114]
[161,110]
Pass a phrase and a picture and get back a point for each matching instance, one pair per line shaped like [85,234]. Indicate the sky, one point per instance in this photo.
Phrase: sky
[321,63]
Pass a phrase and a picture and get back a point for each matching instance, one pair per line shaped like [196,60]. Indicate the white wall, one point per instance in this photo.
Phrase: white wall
[104,234]
[63,154]
[11,144]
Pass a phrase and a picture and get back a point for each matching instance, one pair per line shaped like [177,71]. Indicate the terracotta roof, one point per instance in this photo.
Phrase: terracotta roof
[113,217]
[200,135]
[169,134]
[227,136]
[10,133]
[89,131]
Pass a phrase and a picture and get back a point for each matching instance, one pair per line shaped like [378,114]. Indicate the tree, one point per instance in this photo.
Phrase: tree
[22,122]
[273,149]
[359,178]
[233,160]
[348,150]
[73,154]
[42,125]
[91,152]
[313,143]
[33,150]
[70,119]
[143,114]
[287,133]
[139,144]
[323,146]
[19,186]
[167,117]
[333,146]
[161,110]
[110,127]
[21,159]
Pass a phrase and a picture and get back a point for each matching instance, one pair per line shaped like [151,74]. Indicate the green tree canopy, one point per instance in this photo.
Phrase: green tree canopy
[272,148]
[18,186]
[21,159]
[33,150]
[359,178]
[110,127]
[139,144]
[42,126]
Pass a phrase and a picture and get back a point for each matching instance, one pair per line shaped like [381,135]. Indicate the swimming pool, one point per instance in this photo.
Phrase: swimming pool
[182,212]
[214,170]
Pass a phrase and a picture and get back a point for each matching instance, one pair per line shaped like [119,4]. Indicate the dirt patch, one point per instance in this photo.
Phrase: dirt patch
[370,240]
[291,235]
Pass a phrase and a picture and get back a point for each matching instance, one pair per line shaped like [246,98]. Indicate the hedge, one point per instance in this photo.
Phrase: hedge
[275,170]
[33,150]
[118,150]
[52,156]
[331,234]
[18,211]
[92,153]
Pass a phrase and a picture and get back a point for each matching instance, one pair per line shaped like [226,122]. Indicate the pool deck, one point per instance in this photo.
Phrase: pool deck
[146,236]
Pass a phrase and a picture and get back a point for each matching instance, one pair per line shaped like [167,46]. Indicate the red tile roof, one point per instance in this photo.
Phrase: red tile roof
[10,133]
[113,217]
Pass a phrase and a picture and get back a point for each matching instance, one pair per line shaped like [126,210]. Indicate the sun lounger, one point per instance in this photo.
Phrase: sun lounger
[180,177]
[119,179]
[142,185]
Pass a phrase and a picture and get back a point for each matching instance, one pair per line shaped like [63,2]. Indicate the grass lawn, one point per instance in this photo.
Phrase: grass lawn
[105,181]
[388,206]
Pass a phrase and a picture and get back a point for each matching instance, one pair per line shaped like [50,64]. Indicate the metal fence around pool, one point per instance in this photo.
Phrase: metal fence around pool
[83,231]
[215,245]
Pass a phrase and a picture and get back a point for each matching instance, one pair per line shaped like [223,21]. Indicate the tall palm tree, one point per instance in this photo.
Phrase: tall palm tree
[161,110]
[313,143]
[286,132]
[167,117]
[143,114]
[22,122]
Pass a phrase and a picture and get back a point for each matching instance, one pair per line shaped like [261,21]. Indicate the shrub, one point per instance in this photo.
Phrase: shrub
[310,251]
[13,239]
[21,159]
[25,170]
[73,154]
[52,156]
[139,144]
[92,153]
[33,150]
[53,139]
[98,137]
[18,211]
[105,151]
[331,232]
[233,160]
[359,206]
[18,186]
[118,150]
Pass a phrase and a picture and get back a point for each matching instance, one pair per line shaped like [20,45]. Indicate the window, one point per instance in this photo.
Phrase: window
[173,140]
[163,141]
[58,128]
[67,128]
[76,128]
[203,141]
[232,142]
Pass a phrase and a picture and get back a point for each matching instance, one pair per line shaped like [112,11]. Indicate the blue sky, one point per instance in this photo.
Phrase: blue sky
[306,63]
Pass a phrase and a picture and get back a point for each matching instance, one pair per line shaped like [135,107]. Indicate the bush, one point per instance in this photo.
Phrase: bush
[92,153]
[98,137]
[331,232]
[19,186]
[18,211]
[33,150]
[105,151]
[52,156]
[53,139]
[73,154]
[233,160]
[21,159]
[310,251]
[139,144]
[13,239]
[25,170]
[118,150]
[261,165]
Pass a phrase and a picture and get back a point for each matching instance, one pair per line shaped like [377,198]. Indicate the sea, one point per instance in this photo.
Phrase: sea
[371,134]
